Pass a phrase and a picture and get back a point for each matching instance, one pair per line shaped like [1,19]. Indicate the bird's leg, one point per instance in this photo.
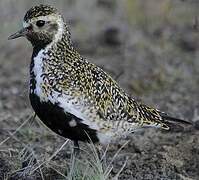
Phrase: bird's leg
[76,149]
[99,152]
[74,154]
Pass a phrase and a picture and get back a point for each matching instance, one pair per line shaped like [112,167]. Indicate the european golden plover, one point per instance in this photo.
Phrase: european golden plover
[73,97]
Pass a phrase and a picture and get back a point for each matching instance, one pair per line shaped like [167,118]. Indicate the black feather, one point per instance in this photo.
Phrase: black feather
[168,118]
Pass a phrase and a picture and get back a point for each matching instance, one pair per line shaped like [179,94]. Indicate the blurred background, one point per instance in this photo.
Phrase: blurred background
[150,47]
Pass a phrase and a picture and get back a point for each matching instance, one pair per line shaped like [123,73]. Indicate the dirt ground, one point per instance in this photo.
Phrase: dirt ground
[150,47]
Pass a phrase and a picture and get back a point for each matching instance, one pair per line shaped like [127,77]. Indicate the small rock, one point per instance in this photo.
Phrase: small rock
[112,36]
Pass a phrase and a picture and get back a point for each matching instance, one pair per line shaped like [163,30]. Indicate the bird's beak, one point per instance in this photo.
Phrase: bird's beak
[19,33]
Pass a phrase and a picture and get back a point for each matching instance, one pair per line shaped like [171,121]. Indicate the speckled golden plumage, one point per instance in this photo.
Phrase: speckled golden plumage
[69,73]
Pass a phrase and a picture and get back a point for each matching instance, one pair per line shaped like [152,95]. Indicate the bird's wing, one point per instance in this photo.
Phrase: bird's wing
[104,96]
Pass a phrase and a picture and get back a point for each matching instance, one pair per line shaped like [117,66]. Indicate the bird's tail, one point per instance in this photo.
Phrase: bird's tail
[157,118]
[171,122]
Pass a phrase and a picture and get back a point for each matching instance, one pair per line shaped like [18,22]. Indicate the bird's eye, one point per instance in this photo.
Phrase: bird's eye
[40,23]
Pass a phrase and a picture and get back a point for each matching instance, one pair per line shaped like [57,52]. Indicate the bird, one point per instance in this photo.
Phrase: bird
[74,97]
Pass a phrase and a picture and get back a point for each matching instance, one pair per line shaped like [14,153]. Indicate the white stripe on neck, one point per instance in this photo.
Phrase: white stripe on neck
[58,35]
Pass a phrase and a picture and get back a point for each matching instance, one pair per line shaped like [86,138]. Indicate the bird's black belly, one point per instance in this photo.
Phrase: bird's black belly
[57,120]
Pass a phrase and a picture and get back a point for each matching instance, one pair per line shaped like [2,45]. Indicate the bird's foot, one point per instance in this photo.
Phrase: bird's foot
[76,149]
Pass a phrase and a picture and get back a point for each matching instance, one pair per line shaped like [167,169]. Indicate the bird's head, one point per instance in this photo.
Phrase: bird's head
[42,24]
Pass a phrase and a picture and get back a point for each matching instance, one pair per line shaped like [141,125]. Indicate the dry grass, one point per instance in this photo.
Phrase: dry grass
[90,165]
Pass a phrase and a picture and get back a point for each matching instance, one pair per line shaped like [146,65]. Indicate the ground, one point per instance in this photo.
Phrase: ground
[150,47]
